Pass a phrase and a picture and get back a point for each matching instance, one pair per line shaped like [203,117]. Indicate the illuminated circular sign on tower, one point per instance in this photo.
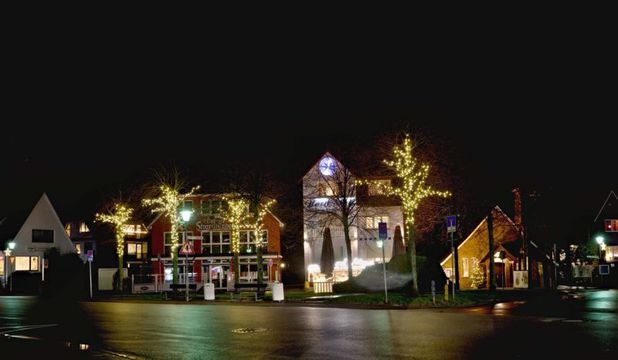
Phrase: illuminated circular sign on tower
[327,166]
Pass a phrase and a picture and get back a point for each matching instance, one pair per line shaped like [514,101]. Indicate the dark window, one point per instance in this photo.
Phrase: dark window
[42,236]
[87,246]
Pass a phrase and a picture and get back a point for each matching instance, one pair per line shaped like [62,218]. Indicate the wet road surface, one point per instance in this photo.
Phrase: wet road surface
[574,324]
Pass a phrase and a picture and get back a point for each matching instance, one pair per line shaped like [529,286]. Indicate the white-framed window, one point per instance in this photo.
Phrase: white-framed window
[167,240]
[611,225]
[212,207]
[373,221]
[466,267]
[376,187]
[187,205]
[26,263]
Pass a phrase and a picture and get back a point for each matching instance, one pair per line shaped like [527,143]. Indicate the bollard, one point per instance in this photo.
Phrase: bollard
[433,291]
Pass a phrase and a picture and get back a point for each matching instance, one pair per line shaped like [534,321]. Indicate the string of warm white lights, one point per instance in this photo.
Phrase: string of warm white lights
[119,216]
[168,203]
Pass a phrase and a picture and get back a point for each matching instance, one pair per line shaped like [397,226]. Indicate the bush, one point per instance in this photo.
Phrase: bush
[399,278]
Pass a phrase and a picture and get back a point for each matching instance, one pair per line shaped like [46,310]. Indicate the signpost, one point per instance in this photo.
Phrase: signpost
[382,235]
[451,227]
[187,248]
[90,257]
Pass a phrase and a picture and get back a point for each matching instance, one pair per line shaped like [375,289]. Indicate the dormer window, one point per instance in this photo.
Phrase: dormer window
[83,228]
[611,225]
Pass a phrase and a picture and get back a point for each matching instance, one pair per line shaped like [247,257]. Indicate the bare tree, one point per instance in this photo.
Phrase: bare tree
[330,200]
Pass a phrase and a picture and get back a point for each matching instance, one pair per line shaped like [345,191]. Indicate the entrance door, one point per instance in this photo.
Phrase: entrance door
[499,274]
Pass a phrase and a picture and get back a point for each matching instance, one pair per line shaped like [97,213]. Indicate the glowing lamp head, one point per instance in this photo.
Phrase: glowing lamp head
[380,243]
[11,245]
[599,240]
[186,215]
[282,265]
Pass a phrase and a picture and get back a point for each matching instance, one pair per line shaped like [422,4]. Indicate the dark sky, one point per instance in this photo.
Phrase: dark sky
[82,120]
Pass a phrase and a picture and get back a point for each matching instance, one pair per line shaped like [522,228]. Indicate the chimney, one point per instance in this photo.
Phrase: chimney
[517,203]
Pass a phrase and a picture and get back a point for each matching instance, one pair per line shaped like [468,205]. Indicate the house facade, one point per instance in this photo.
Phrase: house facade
[321,185]
[605,228]
[209,255]
[514,264]
[40,232]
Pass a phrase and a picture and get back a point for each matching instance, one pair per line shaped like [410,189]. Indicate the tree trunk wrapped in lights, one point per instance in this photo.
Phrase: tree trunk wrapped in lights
[327,259]
[169,203]
[260,211]
[237,215]
[118,217]
[411,189]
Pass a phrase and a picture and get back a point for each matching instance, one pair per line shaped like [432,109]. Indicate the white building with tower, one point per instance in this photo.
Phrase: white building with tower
[324,186]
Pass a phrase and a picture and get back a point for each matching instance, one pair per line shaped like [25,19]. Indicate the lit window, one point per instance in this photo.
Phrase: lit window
[373,222]
[22,263]
[376,187]
[131,248]
[78,248]
[466,269]
[34,263]
[611,225]
[83,228]
[68,229]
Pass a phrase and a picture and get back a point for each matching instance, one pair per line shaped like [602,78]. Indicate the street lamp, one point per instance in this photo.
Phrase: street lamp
[7,259]
[601,241]
[186,216]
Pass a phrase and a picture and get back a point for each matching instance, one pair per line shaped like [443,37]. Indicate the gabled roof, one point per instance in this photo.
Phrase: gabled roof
[609,196]
[495,210]
[318,161]
[43,216]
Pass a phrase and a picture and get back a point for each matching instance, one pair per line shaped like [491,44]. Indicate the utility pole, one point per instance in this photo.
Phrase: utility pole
[490,238]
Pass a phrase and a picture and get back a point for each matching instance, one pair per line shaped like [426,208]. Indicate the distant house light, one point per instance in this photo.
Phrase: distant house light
[83,228]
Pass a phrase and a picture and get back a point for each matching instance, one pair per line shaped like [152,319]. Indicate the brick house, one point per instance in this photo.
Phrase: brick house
[210,255]
[511,260]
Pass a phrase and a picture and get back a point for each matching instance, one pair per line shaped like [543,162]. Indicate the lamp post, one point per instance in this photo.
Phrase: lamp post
[7,259]
[186,216]
[601,241]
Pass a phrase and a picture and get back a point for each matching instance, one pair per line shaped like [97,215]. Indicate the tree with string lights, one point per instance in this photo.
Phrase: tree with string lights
[237,215]
[118,216]
[411,188]
[168,203]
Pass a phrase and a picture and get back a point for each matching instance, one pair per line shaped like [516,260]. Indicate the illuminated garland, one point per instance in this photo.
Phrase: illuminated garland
[258,225]
[236,215]
[118,217]
[412,176]
[168,203]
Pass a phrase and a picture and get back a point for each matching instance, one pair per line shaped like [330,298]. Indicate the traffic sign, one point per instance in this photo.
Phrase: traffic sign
[89,255]
[382,231]
[451,223]
[187,248]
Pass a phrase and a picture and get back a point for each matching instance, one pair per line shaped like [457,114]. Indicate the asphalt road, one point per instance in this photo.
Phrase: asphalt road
[578,325]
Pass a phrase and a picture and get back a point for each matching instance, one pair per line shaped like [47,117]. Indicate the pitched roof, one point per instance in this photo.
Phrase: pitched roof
[611,192]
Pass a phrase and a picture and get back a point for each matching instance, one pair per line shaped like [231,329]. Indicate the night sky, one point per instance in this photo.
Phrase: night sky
[82,127]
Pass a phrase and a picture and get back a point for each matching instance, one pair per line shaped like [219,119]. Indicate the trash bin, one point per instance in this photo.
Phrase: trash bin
[209,291]
[278,291]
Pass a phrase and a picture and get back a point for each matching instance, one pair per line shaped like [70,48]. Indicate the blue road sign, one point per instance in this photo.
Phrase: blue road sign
[451,223]
[382,231]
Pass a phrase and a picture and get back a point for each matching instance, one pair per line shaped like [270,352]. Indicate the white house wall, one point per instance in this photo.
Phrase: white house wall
[43,217]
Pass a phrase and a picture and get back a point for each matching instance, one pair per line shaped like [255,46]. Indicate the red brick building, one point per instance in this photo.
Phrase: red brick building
[210,253]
